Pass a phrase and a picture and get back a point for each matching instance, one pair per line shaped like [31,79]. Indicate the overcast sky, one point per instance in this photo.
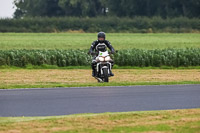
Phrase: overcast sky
[6,8]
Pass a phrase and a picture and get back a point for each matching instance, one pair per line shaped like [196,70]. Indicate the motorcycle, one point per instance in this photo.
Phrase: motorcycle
[104,65]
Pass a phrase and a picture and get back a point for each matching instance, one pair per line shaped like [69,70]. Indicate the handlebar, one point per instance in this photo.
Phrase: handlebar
[96,53]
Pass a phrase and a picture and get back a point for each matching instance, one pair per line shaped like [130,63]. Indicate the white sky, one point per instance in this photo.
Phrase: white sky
[6,8]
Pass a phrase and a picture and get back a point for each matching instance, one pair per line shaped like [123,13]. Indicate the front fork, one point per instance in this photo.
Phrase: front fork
[100,67]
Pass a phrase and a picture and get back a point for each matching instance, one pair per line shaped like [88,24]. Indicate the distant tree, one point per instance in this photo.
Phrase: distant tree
[191,8]
[163,8]
[133,7]
[37,8]
[89,8]
[121,8]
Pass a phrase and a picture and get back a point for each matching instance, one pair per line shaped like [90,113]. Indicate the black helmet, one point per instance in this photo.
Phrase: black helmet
[101,35]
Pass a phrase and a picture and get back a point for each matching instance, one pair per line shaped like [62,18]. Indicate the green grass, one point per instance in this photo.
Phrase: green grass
[84,40]
[172,121]
[58,85]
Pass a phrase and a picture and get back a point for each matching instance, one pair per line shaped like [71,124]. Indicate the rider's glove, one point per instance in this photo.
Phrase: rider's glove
[89,52]
[112,52]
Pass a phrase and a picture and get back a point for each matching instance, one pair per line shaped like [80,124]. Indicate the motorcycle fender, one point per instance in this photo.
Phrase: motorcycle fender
[103,68]
[110,65]
[98,67]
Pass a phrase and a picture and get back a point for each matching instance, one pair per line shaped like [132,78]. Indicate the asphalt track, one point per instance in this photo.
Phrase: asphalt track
[65,101]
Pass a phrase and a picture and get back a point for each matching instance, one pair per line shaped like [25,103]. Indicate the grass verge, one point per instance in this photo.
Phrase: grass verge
[47,78]
[171,121]
[57,85]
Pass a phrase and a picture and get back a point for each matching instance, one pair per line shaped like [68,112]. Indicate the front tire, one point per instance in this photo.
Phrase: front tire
[105,74]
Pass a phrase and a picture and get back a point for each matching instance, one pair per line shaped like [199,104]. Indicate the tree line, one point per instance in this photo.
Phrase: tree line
[100,23]
[119,8]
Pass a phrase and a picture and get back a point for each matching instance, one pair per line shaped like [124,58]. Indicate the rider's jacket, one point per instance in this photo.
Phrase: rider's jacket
[97,43]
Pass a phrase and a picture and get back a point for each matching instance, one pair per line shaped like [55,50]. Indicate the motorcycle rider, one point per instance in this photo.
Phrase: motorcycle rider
[101,41]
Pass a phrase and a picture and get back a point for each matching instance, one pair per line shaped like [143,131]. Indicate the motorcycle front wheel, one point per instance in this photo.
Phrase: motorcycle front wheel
[105,73]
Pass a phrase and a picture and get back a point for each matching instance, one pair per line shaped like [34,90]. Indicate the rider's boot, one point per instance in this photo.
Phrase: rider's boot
[93,65]
[111,74]
[93,73]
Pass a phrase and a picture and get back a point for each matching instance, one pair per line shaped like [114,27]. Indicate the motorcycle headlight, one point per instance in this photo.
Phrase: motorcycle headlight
[107,58]
[101,58]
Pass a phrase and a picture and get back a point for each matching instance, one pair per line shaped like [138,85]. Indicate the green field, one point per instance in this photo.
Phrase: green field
[172,121]
[84,40]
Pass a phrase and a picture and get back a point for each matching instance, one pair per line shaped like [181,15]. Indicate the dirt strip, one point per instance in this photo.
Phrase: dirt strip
[73,76]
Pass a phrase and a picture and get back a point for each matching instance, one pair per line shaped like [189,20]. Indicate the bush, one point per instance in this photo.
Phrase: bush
[107,24]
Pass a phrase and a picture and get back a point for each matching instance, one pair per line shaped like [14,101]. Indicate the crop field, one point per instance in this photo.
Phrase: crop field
[135,50]
[133,57]
[84,40]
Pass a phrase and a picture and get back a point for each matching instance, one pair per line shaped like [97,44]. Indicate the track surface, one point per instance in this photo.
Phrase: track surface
[64,101]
